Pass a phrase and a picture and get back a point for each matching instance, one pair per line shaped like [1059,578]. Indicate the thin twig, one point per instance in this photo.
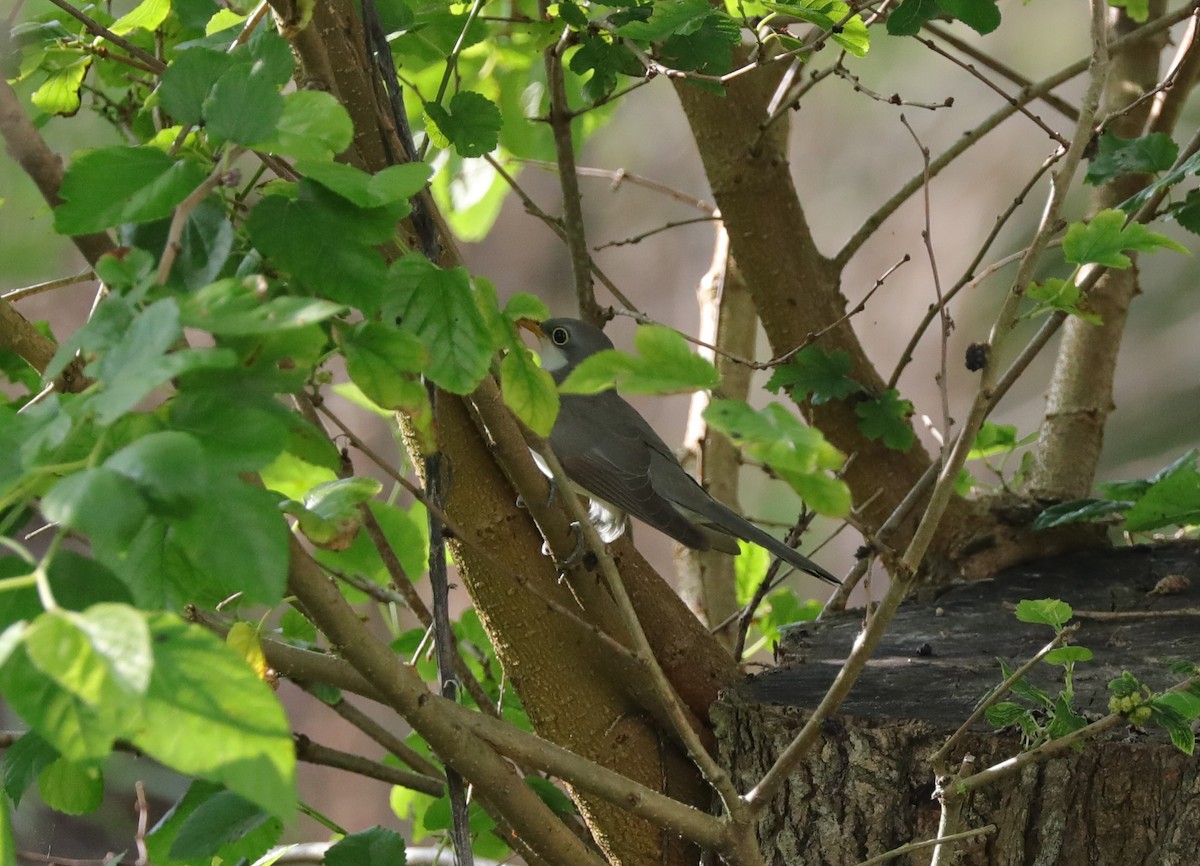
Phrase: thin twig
[619,176]
[315,753]
[220,177]
[939,300]
[939,757]
[37,288]
[985,830]
[638,238]
[97,29]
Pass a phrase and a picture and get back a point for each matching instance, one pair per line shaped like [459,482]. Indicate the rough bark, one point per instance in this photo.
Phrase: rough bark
[576,690]
[1080,397]
[727,320]
[1131,798]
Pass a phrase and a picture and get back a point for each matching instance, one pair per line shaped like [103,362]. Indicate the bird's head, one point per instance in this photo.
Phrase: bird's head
[564,343]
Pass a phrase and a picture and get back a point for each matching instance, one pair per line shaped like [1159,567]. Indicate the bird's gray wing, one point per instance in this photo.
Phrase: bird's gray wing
[607,448]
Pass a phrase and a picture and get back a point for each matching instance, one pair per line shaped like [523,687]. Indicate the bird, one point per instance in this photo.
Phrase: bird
[612,455]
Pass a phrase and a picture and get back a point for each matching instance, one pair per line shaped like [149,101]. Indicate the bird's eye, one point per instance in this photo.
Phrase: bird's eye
[559,336]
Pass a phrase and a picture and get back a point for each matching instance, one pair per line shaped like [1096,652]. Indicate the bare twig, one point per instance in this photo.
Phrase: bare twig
[638,238]
[939,300]
[985,830]
[220,176]
[315,753]
[83,276]
[564,149]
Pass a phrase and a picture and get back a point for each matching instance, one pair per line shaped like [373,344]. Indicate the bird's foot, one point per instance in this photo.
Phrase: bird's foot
[576,555]
[549,497]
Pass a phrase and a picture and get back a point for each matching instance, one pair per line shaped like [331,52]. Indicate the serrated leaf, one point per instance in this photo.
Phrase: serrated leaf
[22,762]
[665,364]
[1046,611]
[243,106]
[252,555]
[1005,713]
[523,305]
[1117,156]
[208,715]
[1106,236]
[816,375]
[383,360]
[114,185]
[1137,10]
[227,824]
[392,184]
[529,391]
[993,439]
[374,847]
[59,93]
[605,59]
[186,83]
[313,125]
[168,468]
[1172,500]
[797,453]
[886,417]
[1079,511]
[1065,655]
[326,243]
[99,503]
[235,308]
[470,122]
[437,305]
[147,15]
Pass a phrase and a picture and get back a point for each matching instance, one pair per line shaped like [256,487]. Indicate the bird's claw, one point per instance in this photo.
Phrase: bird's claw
[574,558]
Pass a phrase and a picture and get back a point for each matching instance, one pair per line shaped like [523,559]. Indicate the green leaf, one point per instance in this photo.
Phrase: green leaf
[551,795]
[1117,156]
[1046,611]
[982,16]
[330,516]
[235,307]
[907,18]
[147,15]
[1065,655]
[438,306]
[251,556]
[23,761]
[313,125]
[1137,10]
[204,244]
[98,502]
[71,787]
[749,569]
[1173,500]
[244,106]
[1102,240]
[1005,713]
[226,824]
[529,391]
[886,417]
[129,370]
[816,376]
[470,122]
[114,185]
[241,427]
[1024,689]
[374,847]
[383,361]
[1124,686]
[326,243]
[186,83]
[665,364]
[1060,295]
[80,722]
[993,439]
[605,59]
[1079,511]
[393,184]
[797,453]
[168,468]
[206,714]
[1187,212]
[1064,719]
[59,93]
[523,305]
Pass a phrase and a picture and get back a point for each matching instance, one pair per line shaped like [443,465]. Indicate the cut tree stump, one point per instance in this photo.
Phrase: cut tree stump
[1128,799]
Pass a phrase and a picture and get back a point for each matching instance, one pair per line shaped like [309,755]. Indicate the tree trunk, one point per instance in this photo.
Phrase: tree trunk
[866,787]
